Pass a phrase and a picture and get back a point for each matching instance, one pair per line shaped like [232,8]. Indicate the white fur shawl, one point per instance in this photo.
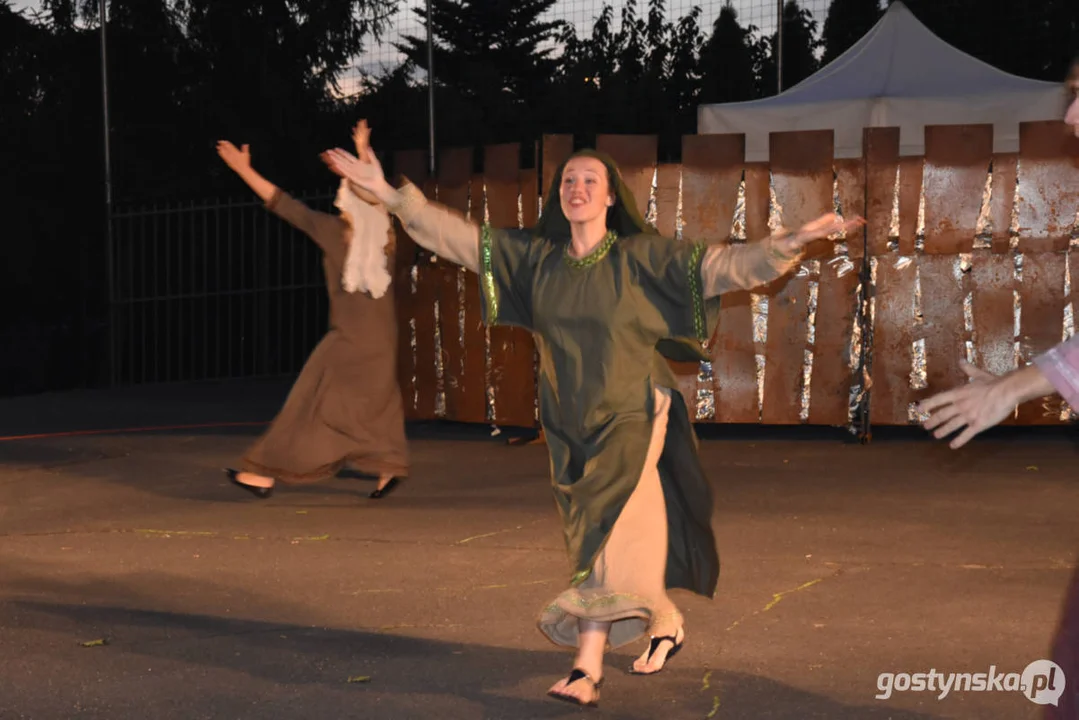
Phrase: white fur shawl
[365,263]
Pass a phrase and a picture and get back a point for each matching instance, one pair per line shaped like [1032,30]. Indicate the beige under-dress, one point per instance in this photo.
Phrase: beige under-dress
[627,585]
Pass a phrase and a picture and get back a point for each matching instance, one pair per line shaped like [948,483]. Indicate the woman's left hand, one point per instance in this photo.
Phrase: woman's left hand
[826,226]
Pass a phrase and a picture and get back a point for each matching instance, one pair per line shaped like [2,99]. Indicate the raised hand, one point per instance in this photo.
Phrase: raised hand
[367,175]
[982,403]
[825,226]
[238,160]
[361,135]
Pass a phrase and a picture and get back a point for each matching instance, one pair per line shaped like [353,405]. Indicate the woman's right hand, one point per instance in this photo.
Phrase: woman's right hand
[364,171]
[238,160]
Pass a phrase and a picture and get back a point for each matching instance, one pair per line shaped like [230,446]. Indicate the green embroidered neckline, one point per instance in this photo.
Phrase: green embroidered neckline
[593,257]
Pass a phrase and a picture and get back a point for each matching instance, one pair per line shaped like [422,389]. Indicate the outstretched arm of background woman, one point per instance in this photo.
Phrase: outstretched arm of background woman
[320,227]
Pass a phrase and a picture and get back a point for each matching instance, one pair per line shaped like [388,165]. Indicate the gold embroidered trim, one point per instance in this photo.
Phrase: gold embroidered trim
[487,274]
[593,257]
[579,601]
[696,258]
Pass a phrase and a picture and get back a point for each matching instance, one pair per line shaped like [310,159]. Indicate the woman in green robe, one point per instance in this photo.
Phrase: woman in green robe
[607,298]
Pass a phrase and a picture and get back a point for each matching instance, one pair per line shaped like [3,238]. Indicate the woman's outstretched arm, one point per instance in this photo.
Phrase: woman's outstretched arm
[433,226]
[727,268]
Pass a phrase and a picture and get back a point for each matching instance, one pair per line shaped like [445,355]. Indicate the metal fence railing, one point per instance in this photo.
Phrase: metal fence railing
[211,291]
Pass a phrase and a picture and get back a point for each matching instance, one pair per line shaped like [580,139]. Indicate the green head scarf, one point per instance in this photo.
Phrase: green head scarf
[623,217]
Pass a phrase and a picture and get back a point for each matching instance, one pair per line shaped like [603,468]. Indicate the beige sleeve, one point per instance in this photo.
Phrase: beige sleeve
[727,268]
[437,228]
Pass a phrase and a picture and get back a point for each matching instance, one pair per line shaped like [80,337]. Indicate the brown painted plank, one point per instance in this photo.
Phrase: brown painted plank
[463,339]
[850,181]
[530,188]
[830,383]
[712,167]
[802,176]
[530,195]
[412,165]
[957,159]
[1041,320]
[636,159]
[1048,186]
[890,395]
[992,284]
[668,177]
[1002,200]
[425,372]
[513,377]
[911,173]
[556,149]
[943,324]
[734,364]
[802,172]
[758,200]
[711,173]
[882,161]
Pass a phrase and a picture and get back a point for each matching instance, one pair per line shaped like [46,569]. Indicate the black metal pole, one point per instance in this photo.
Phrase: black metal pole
[108,192]
[779,46]
[430,88]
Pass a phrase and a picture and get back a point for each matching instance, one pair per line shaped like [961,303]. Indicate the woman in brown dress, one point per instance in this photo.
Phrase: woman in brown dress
[346,405]
[607,299]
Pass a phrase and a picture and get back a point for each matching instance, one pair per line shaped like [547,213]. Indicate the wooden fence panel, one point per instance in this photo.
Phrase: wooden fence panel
[713,166]
[513,377]
[461,325]
[802,175]
[957,159]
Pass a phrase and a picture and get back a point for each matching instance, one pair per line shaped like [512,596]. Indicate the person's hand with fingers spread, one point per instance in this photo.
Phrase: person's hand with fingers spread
[365,173]
[827,225]
[239,161]
[361,136]
[982,403]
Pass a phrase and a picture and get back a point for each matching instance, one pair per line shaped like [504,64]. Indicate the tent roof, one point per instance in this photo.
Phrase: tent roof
[900,74]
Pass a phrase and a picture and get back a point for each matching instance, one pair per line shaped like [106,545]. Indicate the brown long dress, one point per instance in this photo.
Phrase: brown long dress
[346,405]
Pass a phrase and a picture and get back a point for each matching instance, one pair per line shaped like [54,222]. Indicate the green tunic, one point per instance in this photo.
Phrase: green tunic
[598,322]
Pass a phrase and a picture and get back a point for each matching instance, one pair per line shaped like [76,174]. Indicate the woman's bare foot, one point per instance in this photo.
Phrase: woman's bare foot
[254,480]
[578,687]
[582,685]
[645,665]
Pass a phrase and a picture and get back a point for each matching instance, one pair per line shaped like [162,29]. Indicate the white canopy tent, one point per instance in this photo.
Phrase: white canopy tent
[898,75]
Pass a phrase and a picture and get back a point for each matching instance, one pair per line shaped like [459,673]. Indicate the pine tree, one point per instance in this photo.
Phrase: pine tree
[729,60]
[494,53]
[847,22]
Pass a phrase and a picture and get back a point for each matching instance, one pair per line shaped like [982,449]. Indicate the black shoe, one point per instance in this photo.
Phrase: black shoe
[654,645]
[574,676]
[260,492]
[383,492]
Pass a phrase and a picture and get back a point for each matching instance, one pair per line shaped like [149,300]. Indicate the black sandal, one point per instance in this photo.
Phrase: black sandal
[574,676]
[654,645]
[259,492]
[383,492]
